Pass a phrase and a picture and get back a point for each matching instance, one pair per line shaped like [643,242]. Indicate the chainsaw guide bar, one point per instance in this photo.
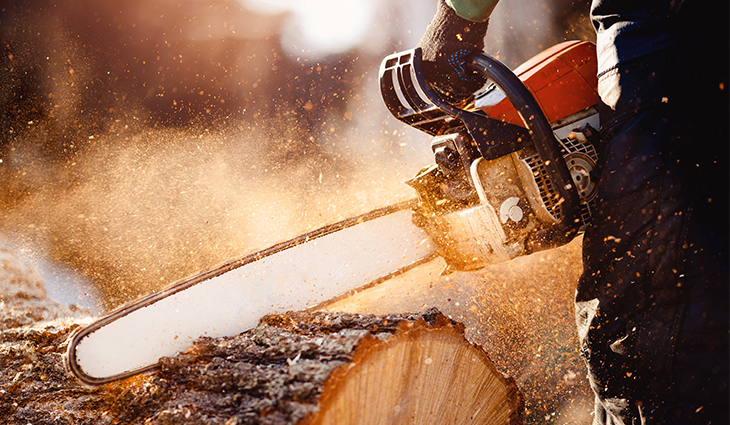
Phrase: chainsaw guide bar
[297,274]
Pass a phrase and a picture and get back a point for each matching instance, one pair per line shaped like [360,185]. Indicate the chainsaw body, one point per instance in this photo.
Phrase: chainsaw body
[513,171]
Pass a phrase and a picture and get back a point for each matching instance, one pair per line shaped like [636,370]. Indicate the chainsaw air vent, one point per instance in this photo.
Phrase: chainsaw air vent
[574,145]
[580,158]
[548,194]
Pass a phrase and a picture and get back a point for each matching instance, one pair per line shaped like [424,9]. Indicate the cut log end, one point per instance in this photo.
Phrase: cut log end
[424,373]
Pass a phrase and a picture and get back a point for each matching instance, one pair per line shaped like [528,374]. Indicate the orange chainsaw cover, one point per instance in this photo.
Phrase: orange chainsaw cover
[562,79]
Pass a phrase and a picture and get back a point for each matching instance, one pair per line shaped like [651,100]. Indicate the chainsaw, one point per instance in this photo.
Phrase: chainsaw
[513,173]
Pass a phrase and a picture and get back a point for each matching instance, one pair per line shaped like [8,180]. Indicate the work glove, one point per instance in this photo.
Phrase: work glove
[448,40]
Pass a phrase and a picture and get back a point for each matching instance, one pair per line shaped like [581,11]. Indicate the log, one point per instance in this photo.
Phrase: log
[338,368]
[295,368]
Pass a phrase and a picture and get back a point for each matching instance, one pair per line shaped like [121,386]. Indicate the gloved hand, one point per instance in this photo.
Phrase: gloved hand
[448,40]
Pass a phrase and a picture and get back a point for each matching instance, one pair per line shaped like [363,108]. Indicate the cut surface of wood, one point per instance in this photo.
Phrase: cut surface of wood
[422,374]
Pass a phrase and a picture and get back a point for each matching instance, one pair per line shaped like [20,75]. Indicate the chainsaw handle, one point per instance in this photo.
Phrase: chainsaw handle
[411,99]
[546,145]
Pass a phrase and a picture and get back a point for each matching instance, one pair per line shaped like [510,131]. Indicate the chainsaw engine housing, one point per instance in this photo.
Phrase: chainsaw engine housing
[497,191]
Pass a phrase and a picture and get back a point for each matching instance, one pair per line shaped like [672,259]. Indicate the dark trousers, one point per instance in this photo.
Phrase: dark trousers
[652,304]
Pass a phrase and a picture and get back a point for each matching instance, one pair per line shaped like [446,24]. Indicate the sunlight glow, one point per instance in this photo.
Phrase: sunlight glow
[320,27]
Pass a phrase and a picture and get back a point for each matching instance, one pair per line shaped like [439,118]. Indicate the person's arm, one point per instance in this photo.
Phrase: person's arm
[457,30]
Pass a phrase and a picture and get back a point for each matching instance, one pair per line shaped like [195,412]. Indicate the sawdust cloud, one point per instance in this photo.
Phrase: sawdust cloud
[137,214]
[138,151]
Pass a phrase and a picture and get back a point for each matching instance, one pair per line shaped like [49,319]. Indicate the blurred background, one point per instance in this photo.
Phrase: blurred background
[144,140]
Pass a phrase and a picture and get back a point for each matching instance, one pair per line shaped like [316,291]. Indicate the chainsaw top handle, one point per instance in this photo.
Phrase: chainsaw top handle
[410,99]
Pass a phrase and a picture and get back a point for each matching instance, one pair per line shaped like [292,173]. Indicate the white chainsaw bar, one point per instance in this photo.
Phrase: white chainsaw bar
[293,275]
